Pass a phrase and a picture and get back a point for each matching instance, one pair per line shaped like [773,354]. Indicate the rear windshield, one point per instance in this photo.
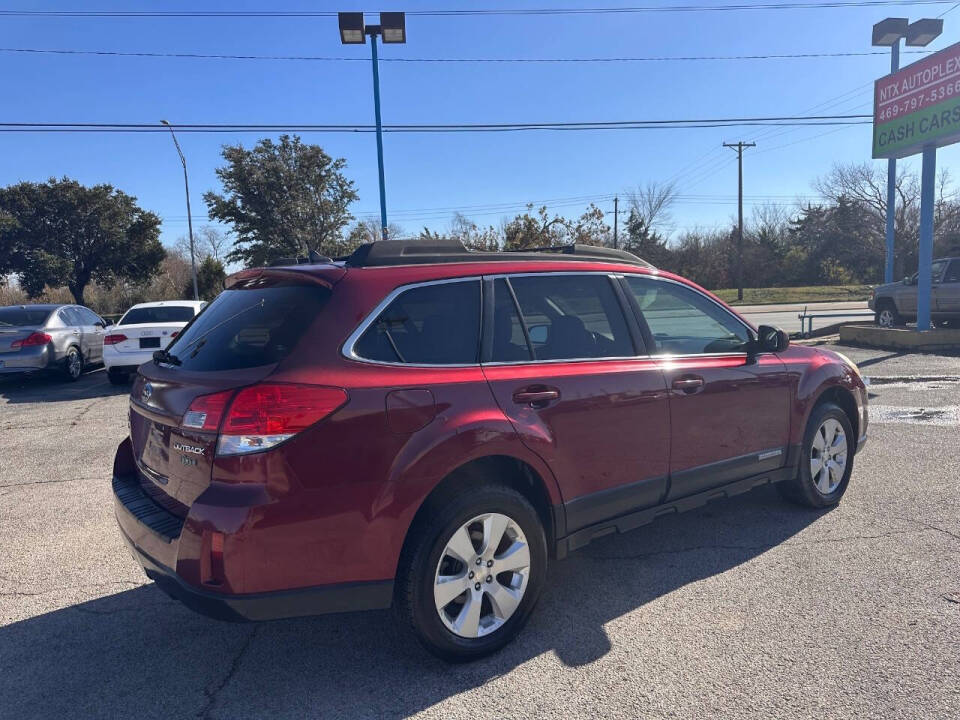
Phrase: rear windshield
[23,317]
[162,314]
[246,328]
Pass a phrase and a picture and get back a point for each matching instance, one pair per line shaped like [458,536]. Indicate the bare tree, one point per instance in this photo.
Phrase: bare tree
[653,204]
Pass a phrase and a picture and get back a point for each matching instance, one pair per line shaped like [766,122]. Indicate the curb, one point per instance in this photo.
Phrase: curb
[941,340]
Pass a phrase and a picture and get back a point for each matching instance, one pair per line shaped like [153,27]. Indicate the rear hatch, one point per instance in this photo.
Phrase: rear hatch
[238,340]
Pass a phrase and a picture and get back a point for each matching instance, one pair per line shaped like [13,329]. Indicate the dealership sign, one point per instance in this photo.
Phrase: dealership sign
[918,106]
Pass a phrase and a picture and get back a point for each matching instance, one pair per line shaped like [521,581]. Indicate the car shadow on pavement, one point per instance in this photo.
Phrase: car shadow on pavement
[51,387]
[139,653]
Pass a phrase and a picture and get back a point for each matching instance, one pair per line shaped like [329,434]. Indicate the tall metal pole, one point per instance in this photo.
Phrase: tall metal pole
[616,215]
[739,146]
[376,107]
[891,182]
[186,185]
[928,177]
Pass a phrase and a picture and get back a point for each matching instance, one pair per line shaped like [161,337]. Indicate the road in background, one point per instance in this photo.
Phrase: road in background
[784,316]
[749,607]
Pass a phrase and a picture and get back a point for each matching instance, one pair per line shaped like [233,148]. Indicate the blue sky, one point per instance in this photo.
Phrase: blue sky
[429,175]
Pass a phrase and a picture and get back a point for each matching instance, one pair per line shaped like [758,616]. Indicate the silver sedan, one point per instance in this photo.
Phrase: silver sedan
[50,337]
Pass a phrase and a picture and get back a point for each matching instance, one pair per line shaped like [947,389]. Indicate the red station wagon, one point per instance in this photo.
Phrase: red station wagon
[423,426]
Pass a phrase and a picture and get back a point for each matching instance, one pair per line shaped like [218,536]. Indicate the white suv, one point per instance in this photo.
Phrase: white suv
[144,329]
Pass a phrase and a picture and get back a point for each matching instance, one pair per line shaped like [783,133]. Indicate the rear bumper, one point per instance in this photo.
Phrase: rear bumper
[154,535]
[125,361]
[30,359]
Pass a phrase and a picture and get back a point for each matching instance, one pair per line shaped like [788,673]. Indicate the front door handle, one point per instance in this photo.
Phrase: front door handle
[688,384]
[537,397]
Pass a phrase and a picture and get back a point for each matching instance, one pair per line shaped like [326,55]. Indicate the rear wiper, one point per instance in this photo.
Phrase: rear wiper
[165,356]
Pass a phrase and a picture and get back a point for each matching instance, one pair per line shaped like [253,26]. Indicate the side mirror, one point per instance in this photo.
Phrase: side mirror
[771,339]
[538,334]
[908,280]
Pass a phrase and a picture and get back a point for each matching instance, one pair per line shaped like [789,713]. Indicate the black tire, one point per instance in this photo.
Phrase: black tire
[118,378]
[887,315]
[73,364]
[444,515]
[802,489]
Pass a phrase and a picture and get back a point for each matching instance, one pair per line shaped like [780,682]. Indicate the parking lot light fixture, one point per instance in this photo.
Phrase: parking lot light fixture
[923,32]
[186,185]
[392,29]
[887,33]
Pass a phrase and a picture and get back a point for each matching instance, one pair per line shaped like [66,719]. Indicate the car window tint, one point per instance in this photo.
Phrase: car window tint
[684,322]
[159,314]
[249,326]
[953,272]
[569,317]
[435,324]
[23,317]
[509,342]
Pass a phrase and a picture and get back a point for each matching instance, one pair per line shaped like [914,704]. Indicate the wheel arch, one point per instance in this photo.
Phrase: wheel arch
[843,397]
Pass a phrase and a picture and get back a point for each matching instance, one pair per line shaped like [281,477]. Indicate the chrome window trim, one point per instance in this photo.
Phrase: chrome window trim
[349,352]
[347,349]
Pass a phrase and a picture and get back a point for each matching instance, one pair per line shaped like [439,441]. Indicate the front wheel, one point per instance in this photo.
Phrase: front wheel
[826,459]
[887,316]
[472,572]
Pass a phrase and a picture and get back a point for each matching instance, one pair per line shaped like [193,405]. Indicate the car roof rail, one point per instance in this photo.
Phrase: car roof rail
[421,252]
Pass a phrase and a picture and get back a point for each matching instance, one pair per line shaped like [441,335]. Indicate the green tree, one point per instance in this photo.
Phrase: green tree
[210,277]
[531,231]
[282,200]
[63,233]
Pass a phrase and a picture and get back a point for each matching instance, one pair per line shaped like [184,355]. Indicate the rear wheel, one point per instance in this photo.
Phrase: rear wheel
[117,378]
[826,459]
[472,572]
[73,364]
[887,315]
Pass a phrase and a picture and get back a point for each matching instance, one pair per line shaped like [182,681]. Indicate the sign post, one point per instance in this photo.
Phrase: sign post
[917,109]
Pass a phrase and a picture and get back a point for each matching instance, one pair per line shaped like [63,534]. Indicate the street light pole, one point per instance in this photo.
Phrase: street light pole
[354,31]
[376,109]
[186,185]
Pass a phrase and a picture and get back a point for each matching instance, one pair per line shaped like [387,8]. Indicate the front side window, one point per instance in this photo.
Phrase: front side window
[570,317]
[436,324]
[684,322]
[953,272]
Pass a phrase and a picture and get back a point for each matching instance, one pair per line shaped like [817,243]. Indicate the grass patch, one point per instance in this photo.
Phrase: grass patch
[812,294]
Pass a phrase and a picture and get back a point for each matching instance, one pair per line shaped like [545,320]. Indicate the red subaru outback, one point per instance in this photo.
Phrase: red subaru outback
[423,426]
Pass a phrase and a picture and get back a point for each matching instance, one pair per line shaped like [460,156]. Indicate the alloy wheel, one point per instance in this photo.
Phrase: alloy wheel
[828,456]
[74,364]
[482,575]
[885,319]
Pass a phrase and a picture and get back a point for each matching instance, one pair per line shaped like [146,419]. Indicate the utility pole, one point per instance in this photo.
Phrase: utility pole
[739,147]
[186,185]
[616,214]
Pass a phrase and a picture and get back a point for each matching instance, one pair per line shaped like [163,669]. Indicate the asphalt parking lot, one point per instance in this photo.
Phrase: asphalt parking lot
[746,608]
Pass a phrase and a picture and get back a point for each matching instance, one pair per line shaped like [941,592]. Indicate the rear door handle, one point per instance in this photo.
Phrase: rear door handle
[536,396]
[689,384]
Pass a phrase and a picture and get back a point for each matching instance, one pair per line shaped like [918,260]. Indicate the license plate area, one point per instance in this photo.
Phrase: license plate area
[147,343]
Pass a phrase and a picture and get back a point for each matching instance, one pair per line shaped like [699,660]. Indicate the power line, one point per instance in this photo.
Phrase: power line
[106,127]
[627,10]
[324,58]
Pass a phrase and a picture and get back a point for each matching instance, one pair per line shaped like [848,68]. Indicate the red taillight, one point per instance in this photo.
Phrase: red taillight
[114,339]
[174,334]
[37,338]
[262,416]
[206,411]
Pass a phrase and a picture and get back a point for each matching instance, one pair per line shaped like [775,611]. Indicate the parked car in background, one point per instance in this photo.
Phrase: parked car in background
[895,304]
[424,427]
[144,329]
[38,337]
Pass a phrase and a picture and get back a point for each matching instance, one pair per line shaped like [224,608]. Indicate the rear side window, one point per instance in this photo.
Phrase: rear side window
[161,314]
[250,327]
[23,317]
[437,324]
[684,322]
[572,317]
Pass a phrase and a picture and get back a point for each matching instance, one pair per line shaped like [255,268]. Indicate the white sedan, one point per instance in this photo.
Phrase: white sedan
[141,331]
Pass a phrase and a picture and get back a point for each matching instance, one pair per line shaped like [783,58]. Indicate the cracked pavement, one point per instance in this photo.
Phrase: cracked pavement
[748,607]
